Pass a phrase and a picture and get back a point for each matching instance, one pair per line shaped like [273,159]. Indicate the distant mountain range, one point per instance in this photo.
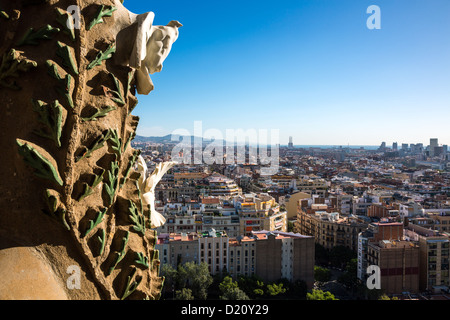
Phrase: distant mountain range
[173,138]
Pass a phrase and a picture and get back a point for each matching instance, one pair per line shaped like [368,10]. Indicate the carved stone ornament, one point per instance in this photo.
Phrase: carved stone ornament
[77,216]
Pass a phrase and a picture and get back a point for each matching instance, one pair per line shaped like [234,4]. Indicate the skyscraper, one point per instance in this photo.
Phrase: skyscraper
[433,144]
[290,145]
[395,146]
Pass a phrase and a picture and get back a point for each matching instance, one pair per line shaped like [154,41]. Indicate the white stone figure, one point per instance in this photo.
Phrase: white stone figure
[141,45]
[147,187]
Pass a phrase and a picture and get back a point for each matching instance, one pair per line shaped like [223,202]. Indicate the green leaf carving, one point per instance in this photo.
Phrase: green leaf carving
[130,137]
[111,185]
[51,116]
[94,223]
[114,95]
[131,286]
[42,166]
[121,254]
[100,112]
[97,144]
[102,240]
[137,218]
[89,189]
[3,14]
[66,21]
[65,54]
[63,87]
[54,206]
[10,66]
[101,12]
[32,37]
[102,56]
[116,142]
[141,259]
[131,163]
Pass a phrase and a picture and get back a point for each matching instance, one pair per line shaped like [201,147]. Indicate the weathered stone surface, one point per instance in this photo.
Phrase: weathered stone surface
[47,227]
[24,276]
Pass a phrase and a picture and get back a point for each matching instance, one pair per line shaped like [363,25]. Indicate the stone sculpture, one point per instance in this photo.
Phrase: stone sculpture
[147,185]
[143,46]
[71,208]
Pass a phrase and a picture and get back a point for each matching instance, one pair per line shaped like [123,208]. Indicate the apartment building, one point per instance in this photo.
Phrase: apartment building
[271,255]
[399,265]
[434,257]
[242,256]
[381,210]
[312,186]
[227,222]
[178,248]
[259,212]
[219,185]
[285,255]
[344,202]
[385,230]
[329,229]
[213,250]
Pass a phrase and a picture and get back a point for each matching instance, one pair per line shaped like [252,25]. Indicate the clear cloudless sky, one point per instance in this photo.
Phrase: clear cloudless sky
[308,68]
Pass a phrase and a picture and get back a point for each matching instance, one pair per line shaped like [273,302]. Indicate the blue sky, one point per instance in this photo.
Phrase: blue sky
[308,68]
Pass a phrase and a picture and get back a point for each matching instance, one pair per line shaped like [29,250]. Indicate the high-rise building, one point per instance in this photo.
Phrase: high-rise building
[395,146]
[291,144]
[433,144]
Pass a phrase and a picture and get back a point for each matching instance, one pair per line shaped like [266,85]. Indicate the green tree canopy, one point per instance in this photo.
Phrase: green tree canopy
[230,290]
[322,274]
[320,295]
[190,275]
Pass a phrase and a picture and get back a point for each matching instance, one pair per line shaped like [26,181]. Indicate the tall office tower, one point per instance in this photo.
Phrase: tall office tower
[290,145]
[395,146]
[433,144]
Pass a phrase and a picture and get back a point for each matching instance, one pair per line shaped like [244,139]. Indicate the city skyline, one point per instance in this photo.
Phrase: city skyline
[314,71]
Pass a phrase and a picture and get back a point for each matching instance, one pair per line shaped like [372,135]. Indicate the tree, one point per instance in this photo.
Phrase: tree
[275,289]
[231,291]
[322,274]
[317,294]
[192,276]
[258,292]
[340,256]
[299,288]
[184,294]
[197,278]
[321,254]
[349,277]
[386,297]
